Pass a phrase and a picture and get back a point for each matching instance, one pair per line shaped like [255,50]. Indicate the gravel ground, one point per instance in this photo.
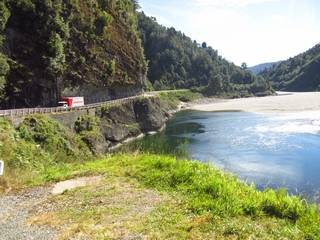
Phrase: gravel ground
[14,212]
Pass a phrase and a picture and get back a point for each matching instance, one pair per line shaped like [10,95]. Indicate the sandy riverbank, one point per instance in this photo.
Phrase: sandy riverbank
[284,102]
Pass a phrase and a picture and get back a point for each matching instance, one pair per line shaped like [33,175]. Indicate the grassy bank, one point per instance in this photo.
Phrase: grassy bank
[201,201]
[153,195]
[174,98]
[36,145]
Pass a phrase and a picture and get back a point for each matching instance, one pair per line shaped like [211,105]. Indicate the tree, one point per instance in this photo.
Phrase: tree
[244,66]
[57,60]
[136,4]
[215,85]
[5,13]
[4,70]
[204,45]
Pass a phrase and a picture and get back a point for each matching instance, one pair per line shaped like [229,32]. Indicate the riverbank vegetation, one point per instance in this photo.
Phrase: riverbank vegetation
[196,200]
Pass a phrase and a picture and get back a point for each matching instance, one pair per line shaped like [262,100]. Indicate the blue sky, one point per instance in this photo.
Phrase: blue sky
[251,31]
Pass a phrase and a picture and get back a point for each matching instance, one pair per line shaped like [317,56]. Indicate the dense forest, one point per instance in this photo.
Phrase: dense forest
[175,61]
[52,47]
[300,73]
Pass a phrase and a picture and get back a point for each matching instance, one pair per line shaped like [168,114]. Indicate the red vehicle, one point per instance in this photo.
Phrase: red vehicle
[70,102]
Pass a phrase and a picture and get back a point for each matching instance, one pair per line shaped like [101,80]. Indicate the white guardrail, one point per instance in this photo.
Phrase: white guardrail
[1,167]
[28,111]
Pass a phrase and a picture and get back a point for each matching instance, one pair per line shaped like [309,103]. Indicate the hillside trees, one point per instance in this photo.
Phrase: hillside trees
[175,61]
[300,73]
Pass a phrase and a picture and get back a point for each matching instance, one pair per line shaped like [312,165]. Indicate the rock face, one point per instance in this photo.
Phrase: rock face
[106,127]
[55,48]
[149,115]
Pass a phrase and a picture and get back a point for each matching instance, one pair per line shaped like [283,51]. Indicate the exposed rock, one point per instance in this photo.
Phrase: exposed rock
[116,132]
[149,114]
[105,127]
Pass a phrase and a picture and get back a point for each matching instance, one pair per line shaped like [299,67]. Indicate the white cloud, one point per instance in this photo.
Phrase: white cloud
[231,3]
[240,34]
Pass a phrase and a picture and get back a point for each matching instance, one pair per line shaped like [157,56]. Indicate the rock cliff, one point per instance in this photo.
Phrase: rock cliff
[68,47]
[105,127]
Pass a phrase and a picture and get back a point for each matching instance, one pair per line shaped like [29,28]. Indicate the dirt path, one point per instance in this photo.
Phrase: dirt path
[113,209]
[81,208]
[15,210]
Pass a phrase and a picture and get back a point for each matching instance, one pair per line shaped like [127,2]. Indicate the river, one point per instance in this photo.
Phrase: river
[271,150]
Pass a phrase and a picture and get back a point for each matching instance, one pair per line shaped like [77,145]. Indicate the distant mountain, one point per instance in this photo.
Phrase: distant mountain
[263,66]
[300,73]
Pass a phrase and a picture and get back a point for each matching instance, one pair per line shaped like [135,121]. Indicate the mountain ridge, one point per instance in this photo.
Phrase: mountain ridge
[299,73]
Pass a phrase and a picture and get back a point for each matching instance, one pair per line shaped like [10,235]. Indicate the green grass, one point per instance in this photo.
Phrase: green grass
[206,191]
[158,144]
[173,98]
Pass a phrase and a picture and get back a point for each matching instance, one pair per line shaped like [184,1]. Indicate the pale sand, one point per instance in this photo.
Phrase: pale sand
[284,102]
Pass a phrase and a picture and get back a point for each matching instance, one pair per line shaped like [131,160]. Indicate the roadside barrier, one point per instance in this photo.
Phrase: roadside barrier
[28,111]
[1,167]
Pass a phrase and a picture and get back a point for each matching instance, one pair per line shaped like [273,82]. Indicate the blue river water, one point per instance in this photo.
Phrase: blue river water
[279,150]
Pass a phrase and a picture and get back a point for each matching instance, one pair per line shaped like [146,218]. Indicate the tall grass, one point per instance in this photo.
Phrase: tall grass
[206,190]
[209,190]
[159,144]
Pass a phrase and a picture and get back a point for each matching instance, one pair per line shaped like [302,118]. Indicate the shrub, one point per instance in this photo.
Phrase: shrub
[112,67]
[4,16]
[88,127]
[52,138]
[103,20]
[4,70]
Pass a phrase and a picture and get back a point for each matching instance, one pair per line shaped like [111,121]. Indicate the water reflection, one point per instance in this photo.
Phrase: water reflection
[271,150]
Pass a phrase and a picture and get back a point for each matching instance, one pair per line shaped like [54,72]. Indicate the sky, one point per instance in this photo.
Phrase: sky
[250,31]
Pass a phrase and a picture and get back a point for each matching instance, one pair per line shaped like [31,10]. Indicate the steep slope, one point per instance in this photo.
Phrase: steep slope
[300,73]
[68,47]
[175,61]
[262,67]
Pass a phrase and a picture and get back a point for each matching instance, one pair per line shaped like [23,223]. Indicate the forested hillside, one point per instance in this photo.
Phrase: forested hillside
[93,48]
[300,73]
[54,47]
[175,61]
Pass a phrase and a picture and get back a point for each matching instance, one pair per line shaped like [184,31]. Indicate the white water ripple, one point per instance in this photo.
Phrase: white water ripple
[303,122]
